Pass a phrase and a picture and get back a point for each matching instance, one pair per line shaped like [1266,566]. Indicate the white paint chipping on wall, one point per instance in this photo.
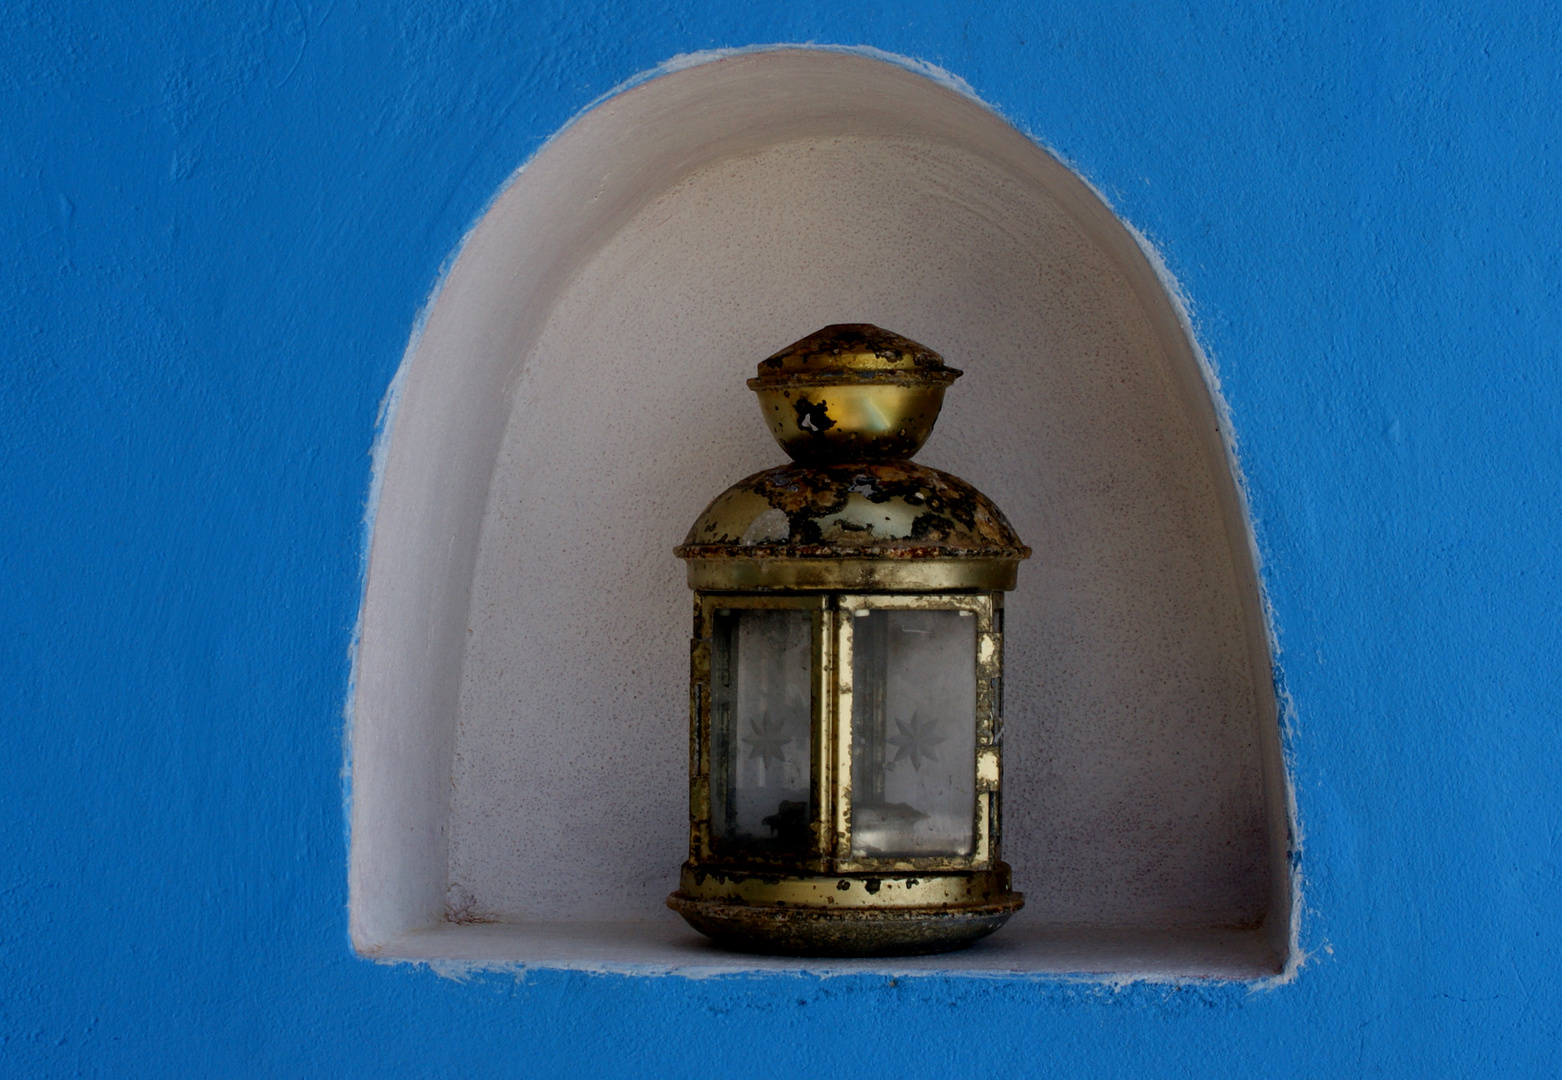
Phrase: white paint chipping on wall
[577,396]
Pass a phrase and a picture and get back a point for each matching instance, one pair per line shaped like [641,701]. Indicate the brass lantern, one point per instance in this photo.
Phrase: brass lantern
[846,684]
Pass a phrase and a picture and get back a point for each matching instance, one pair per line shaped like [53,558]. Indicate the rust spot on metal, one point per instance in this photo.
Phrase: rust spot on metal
[802,931]
[858,347]
[942,516]
[813,416]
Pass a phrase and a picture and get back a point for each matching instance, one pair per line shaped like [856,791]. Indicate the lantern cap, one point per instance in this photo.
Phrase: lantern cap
[852,392]
[855,352]
[890,525]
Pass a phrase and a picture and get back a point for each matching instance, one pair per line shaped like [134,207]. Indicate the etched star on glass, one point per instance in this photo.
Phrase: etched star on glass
[767,742]
[918,740]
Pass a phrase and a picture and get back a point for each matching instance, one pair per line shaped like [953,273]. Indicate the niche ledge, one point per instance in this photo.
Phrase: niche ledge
[660,948]
[518,734]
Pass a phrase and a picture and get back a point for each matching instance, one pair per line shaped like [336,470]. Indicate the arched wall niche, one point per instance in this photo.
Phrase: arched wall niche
[575,398]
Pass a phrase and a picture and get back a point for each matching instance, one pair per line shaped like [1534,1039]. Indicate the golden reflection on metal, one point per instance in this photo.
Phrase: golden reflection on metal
[852,393]
[884,419]
[852,528]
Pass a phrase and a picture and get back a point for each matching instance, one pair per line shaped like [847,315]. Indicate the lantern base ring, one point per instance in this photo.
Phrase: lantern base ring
[844,931]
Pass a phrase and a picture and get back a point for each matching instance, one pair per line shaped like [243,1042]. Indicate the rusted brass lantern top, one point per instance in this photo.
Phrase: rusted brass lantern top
[852,392]
[850,404]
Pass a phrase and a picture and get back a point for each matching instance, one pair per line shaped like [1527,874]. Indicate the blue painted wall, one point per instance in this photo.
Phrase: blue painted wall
[220,222]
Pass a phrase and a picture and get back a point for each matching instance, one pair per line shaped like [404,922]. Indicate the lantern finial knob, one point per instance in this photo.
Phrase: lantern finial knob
[852,392]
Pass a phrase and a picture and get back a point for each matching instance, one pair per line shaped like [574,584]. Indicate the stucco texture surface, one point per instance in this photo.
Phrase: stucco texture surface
[222,223]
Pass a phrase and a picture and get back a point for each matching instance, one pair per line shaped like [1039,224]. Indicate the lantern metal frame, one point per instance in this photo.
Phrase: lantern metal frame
[851,529]
[832,631]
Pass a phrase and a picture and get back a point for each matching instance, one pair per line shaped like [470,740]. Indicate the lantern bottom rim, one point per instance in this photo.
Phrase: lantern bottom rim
[788,930]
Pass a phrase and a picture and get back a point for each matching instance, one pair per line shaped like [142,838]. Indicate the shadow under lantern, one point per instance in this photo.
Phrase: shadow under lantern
[846,685]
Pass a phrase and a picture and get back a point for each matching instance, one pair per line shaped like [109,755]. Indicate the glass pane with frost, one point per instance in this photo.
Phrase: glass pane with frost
[761,665]
[913,733]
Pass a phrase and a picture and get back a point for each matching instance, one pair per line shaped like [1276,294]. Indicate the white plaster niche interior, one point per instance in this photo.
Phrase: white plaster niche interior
[576,397]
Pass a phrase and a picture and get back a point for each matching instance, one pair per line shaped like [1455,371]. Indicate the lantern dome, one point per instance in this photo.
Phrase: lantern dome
[877,524]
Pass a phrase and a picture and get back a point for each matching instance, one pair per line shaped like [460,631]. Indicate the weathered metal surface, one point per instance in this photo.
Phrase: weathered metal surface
[859,349]
[852,392]
[771,902]
[858,575]
[846,519]
[862,888]
[843,932]
[886,509]
[842,533]
[893,511]
[880,421]
[987,610]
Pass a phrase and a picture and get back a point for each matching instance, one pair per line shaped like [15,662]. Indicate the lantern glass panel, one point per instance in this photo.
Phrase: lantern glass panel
[761,730]
[913,733]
